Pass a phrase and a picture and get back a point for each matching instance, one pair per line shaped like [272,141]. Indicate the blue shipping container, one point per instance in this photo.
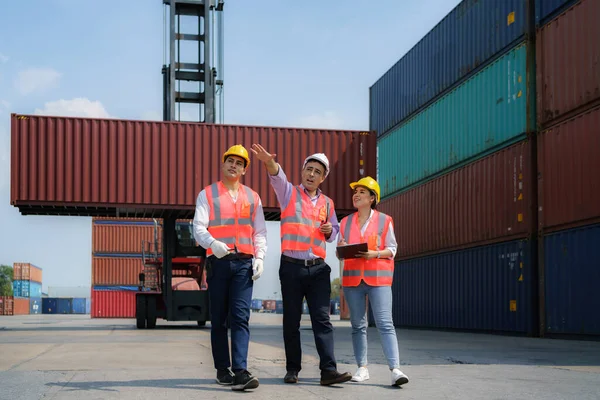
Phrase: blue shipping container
[65,306]
[279,307]
[467,38]
[485,113]
[256,304]
[49,305]
[78,306]
[488,288]
[35,305]
[546,10]
[88,306]
[27,289]
[572,279]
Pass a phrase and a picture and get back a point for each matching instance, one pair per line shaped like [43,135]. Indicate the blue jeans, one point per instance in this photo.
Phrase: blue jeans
[380,298]
[230,292]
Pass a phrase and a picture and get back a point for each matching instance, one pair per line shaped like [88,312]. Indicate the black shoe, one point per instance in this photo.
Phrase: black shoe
[244,380]
[291,377]
[224,376]
[331,377]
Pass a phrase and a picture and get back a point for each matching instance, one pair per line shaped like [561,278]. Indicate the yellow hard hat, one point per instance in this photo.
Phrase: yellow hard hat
[370,184]
[237,150]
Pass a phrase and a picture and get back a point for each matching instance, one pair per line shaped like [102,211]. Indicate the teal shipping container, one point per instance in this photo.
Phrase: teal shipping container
[489,111]
[27,289]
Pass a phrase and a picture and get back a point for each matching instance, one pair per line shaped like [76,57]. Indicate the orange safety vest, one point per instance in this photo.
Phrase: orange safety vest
[231,222]
[377,271]
[300,222]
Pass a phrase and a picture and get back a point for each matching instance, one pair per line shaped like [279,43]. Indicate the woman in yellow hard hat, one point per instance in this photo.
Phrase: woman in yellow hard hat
[370,273]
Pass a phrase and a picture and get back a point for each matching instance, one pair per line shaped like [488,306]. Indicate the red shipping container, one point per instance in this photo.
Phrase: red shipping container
[6,305]
[122,238]
[184,284]
[568,62]
[485,201]
[568,170]
[113,304]
[115,271]
[21,306]
[269,305]
[86,166]
[27,272]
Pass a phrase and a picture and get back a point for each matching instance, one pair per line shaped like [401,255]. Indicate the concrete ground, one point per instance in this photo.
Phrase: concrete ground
[75,357]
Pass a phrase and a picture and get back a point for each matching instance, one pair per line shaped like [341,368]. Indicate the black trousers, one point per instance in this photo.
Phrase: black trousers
[314,283]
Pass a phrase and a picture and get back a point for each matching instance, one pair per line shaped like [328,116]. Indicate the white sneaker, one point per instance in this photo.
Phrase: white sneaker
[362,374]
[398,377]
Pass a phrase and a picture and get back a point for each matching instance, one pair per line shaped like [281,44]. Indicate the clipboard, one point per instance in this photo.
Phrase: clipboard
[351,250]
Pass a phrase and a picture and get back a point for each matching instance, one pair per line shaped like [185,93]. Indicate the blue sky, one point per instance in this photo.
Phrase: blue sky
[287,63]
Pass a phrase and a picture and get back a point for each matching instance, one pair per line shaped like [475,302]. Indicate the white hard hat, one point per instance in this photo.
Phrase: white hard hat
[320,157]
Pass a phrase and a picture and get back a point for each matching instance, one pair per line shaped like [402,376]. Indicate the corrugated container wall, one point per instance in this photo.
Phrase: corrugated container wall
[547,9]
[73,164]
[35,305]
[121,238]
[49,305]
[27,289]
[79,306]
[21,306]
[27,272]
[572,279]
[568,62]
[568,170]
[113,304]
[488,200]
[487,288]
[6,305]
[491,109]
[468,37]
[64,306]
[116,270]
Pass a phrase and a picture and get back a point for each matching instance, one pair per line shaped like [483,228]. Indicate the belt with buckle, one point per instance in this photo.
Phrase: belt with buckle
[306,263]
[235,256]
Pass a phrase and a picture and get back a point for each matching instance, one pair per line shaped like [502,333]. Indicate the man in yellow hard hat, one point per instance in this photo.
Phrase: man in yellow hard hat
[308,221]
[229,223]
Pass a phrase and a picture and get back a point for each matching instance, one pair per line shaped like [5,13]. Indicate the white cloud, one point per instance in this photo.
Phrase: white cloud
[325,120]
[78,107]
[3,58]
[36,80]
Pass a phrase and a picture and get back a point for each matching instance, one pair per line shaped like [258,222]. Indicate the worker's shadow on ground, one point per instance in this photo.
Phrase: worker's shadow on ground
[191,384]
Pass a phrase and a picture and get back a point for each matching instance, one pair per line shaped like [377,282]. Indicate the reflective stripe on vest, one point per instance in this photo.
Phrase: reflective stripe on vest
[300,223]
[229,222]
[375,272]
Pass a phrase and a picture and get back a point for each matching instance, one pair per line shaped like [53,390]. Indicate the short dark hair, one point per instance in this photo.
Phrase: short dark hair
[317,161]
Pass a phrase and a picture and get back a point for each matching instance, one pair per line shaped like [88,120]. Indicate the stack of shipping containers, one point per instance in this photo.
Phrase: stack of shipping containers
[456,126]
[116,264]
[27,289]
[568,110]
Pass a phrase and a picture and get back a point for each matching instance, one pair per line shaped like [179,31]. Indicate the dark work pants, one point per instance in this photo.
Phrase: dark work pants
[298,281]
[230,291]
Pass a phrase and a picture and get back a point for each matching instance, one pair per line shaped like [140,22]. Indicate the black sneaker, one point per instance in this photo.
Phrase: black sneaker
[225,376]
[291,377]
[244,380]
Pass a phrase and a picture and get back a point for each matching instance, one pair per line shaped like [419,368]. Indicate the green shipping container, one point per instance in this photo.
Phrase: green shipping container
[492,109]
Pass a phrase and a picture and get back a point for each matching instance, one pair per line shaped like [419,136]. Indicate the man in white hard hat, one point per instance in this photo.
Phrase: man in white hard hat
[308,221]
[229,223]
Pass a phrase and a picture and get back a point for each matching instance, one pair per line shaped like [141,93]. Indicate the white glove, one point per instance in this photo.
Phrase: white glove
[257,268]
[220,249]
